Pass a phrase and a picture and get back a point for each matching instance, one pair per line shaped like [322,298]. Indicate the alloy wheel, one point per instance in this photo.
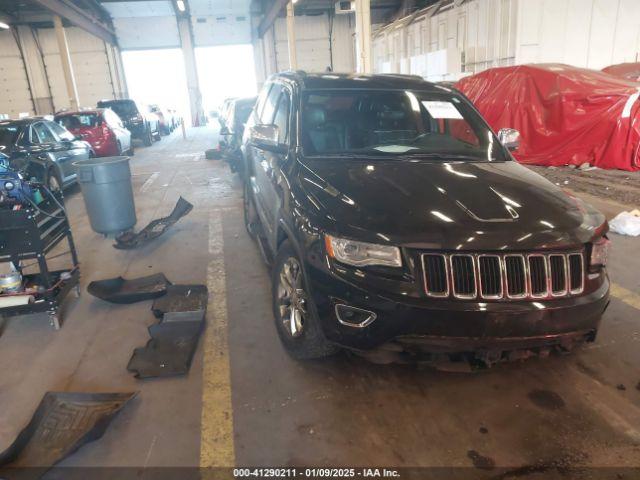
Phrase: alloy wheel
[292,298]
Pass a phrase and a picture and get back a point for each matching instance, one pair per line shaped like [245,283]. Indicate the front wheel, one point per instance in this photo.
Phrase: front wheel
[296,321]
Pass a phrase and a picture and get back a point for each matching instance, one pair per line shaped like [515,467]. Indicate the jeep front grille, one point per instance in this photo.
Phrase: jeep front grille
[506,276]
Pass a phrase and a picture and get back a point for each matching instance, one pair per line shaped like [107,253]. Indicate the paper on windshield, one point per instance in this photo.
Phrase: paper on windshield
[442,109]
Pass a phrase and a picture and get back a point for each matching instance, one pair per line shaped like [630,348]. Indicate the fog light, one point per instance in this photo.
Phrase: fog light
[353,316]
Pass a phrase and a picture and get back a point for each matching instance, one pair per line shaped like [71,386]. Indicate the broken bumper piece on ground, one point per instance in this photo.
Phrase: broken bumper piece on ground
[120,290]
[129,240]
[62,423]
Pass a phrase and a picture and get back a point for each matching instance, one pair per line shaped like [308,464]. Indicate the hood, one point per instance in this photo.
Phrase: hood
[446,204]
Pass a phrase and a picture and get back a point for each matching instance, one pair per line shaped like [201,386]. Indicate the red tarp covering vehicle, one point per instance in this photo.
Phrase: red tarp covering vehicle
[628,71]
[566,115]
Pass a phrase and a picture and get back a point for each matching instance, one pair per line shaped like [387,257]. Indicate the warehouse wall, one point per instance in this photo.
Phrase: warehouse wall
[15,97]
[90,67]
[480,34]
[40,88]
[315,52]
[586,33]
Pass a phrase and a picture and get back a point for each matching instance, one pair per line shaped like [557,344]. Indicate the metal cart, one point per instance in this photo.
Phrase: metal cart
[31,233]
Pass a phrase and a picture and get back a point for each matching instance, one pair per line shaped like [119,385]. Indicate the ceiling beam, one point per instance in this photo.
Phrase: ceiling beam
[79,18]
[270,16]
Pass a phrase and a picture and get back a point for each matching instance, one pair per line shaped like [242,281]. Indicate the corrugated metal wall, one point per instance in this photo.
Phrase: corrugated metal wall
[586,33]
[15,97]
[444,44]
[479,34]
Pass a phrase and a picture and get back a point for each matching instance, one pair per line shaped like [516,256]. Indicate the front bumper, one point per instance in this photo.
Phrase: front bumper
[454,326]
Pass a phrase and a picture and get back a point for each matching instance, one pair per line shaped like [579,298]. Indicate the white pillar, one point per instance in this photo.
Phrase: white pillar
[363,36]
[67,67]
[291,37]
[193,85]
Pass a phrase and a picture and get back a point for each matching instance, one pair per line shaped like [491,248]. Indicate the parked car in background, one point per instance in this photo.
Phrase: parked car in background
[167,122]
[43,149]
[102,128]
[627,71]
[223,111]
[396,220]
[231,133]
[137,118]
[572,115]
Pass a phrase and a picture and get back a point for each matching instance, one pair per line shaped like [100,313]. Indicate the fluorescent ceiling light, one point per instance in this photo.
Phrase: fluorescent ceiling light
[180,4]
[4,26]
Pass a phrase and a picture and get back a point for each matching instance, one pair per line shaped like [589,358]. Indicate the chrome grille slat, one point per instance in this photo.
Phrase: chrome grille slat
[510,276]
[576,273]
[463,276]
[557,275]
[516,276]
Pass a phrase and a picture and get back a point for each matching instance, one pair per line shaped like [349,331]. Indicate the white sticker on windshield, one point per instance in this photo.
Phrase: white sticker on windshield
[442,109]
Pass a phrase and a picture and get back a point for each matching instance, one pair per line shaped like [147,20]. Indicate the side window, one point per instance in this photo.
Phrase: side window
[261,98]
[41,134]
[270,105]
[281,119]
[61,132]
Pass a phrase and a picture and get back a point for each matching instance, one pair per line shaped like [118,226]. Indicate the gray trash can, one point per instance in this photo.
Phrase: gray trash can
[108,194]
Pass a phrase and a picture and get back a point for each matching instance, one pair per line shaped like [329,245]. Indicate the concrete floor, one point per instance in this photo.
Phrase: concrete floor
[246,402]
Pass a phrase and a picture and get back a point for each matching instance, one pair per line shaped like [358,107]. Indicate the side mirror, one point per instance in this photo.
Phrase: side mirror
[264,137]
[510,138]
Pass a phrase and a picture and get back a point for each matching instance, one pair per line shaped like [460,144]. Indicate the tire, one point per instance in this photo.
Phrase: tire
[120,152]
[132,151]
[251,219]
[148,139]
[158,135]
[301,337]
[53,180]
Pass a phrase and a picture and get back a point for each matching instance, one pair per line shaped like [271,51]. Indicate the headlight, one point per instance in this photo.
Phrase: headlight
[361,254]
[600,252]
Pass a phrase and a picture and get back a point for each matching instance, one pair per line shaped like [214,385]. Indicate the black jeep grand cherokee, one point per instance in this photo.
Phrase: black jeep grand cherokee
[395,218]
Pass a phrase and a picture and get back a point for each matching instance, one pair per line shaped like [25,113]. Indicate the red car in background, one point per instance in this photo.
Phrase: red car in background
[102,128]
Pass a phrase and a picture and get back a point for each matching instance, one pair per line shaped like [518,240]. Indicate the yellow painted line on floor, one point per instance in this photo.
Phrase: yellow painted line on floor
[216,436]
[627,296]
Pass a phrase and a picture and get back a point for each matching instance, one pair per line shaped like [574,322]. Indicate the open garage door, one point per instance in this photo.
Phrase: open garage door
[157,77]
[225,71]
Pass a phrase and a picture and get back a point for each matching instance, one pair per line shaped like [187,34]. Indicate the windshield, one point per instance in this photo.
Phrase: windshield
[8,137]
[124,108]
[393,123]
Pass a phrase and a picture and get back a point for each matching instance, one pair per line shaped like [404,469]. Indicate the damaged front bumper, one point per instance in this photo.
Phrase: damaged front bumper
[430,328]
